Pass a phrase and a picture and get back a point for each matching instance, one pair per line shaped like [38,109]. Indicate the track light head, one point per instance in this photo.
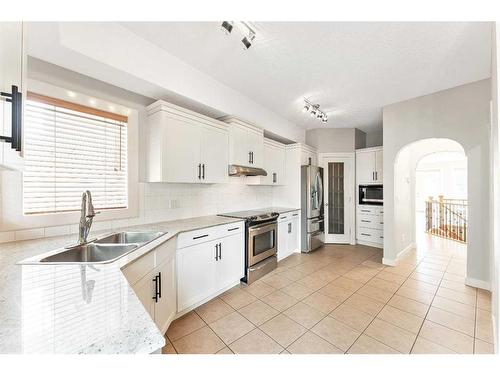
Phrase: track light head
[248,40]
[227,27]
[325,119]
[306,108]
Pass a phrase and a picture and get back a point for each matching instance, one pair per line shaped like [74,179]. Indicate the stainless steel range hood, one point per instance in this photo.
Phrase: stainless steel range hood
[240,170]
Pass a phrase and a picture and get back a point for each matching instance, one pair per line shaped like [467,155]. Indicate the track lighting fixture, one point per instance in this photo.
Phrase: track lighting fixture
[227,27]
[314,111]
[244,28]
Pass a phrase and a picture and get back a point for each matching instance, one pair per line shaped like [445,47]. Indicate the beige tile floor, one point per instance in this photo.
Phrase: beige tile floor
[341,299]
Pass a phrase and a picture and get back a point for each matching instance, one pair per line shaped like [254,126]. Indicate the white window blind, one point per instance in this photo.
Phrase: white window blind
[68,151]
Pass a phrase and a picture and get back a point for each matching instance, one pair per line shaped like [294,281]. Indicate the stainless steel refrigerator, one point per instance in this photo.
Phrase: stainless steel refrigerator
[312,225]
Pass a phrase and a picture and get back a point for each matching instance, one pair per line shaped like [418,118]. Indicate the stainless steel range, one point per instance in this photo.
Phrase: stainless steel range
[261,242]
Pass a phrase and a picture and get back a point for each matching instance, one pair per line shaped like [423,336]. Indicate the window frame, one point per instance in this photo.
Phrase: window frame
[13,217]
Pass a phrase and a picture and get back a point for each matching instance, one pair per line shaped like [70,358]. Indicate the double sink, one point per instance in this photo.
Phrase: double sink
[103,250]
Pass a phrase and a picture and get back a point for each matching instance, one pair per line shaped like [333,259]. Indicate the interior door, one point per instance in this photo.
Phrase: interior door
[339,199]
[214,155]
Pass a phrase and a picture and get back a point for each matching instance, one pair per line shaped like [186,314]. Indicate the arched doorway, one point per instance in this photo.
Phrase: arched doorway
[422,169]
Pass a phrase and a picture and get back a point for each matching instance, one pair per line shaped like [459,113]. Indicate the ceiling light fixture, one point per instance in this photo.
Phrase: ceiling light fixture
[314,111]
[244,28]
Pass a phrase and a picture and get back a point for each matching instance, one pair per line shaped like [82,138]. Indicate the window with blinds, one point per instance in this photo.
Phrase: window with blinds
[71,148]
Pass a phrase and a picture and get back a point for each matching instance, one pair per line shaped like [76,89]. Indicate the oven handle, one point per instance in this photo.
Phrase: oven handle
[262,227]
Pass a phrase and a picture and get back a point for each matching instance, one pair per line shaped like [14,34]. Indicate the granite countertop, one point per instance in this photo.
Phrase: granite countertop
[280,210]
[78,308]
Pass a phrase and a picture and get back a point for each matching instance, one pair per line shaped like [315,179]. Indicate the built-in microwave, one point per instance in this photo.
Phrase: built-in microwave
[371,194]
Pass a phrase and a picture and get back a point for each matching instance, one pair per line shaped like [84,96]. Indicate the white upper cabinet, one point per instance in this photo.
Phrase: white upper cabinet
[369,167]
[274,163]
[246,143]
[308,154]
[184,146]
[12,72]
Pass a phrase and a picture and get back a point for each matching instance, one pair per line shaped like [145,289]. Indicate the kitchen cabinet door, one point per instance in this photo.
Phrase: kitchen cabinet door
[280,166]
[230,266]
[293,234]
[365,167]
[181,151]
[195,273]
[12,72]
[283,239]
[144,290]
[166,307]
[238,148]
[214,155]
[255,144]
[379,166]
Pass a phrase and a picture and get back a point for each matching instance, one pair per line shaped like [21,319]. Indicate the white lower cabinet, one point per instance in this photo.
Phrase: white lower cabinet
[370,225]
[208,268]
[288,233]
[153,279]
[196,273]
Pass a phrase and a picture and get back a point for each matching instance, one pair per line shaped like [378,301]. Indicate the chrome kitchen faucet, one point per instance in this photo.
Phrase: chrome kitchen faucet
[86,218]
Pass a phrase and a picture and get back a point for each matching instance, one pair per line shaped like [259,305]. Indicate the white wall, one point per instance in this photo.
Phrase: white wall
[461,114]
[495,187]
[335,140]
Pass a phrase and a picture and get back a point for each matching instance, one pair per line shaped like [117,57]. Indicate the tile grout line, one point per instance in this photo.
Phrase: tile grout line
[375,317]
[430,305]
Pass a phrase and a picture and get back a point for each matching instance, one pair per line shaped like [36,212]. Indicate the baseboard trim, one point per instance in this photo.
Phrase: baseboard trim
[476,283]
[372,244]
[388,262]
[406,249]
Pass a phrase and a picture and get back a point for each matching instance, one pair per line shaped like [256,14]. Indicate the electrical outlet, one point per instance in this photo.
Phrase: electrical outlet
[403,236]
[173,203]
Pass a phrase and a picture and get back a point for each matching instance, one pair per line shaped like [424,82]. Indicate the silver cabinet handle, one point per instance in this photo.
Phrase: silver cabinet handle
[216,252]
[220,251]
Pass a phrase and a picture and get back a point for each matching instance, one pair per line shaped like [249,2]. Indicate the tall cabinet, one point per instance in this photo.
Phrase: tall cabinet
[369,218]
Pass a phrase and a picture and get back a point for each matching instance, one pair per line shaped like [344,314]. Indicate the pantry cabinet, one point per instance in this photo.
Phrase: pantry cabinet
[288,233]
[184,146]
[209,261]
[246,143]
[153,280]
[369,166]
[12,73]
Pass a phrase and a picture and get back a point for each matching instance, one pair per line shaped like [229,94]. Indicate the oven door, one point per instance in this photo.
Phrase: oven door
[262,242]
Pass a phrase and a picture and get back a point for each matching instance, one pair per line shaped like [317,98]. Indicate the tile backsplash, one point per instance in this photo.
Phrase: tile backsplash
[164,202]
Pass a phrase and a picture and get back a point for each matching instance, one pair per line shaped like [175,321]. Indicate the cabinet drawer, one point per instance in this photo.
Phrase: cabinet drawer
[370,235]
[197,236]
[370,221]
[139,268]
[370,210]
[285,217]
[230,229]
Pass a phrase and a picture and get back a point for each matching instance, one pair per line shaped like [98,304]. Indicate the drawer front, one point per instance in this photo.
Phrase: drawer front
[370,221]
[197,236]
[285,217]
[140,267]
[230,229]
[370,235]
[370,210]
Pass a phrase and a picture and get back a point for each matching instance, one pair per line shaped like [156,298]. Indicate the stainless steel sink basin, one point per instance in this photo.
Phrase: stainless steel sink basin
[90,253]
[130,238]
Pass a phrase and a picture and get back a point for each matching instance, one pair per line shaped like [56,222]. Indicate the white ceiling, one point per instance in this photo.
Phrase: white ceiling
[351,69]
